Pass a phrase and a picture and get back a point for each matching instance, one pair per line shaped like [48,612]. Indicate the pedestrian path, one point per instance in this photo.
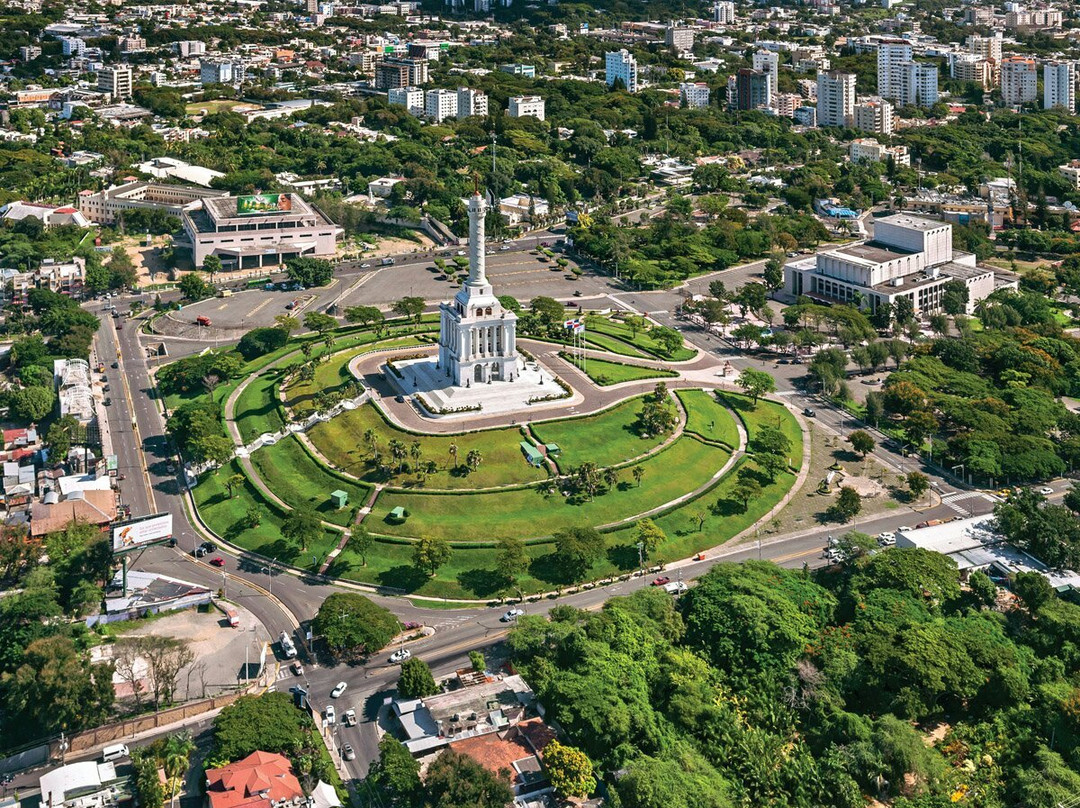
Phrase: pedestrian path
[951,500]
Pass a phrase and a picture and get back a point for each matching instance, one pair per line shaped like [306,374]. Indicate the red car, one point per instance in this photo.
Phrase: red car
[663,579]
[217,561]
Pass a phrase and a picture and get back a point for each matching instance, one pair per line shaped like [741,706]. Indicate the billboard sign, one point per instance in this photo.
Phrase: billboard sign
[137,532]
[255,204]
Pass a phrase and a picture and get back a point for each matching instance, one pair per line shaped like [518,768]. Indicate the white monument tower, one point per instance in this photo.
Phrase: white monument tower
[477,336]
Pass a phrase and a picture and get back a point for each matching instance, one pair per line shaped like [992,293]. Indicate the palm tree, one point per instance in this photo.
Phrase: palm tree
[638,473]
[372,440]
[178,749]
[473,458]
[611,477]
[398,452]
[453,454]
[416,452]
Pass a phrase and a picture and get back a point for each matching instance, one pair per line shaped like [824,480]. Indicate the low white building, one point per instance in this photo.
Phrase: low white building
[526,105]
[412,98]
[523,208]
[1071,172]
[868,150]
[383,186]
[910,257]
[86,784]
[163,168]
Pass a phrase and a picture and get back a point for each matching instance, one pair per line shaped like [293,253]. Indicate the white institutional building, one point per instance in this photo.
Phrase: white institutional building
[477,336]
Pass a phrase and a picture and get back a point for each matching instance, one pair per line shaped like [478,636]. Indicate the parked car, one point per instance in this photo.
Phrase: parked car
[512,615]
[348,753]
[297,669]
[217,561]
[505,247]
[809,412]
[348,718]
[663,579]
[331,714]
[206,545]
[338,690]
[886,539]
[401,655]
[1046,490]
[199,552]
[116,364]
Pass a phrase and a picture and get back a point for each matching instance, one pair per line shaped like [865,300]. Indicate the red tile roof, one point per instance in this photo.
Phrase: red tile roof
[257,781]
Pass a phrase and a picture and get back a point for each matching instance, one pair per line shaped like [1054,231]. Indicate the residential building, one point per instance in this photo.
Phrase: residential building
[875,115]
[221,71]
[440,105]
[621,66]
[785,104]
[471,102]
[981,71]
[1059,85]
[985,47]
[835,98]
[62,277]
[752,89]
[525,71]
[131,44]
[395,72]
[868,150]
[679,38]
[261,780]
[892,57]
[917,85]
[412,98]
[768,61]
[1019,80]
[115,80]
[383,187]
[526,105]
[1034,19]
[1071,172]
[103,207]
[189,47]
[694,95]
[910,257]
[805,116]
[28,53]
[523,208]
[724,12]
[72,46]
[264,230]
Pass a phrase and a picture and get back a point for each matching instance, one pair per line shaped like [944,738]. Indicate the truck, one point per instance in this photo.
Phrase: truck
[287,647]
[387,262]
[675,587]
[202,319]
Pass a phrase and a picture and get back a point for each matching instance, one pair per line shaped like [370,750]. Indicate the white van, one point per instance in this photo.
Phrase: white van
[114,752]
[675,587]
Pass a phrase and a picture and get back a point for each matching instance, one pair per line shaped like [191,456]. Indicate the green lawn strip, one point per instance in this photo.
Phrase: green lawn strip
[604,342]
[333,375]
[725,517]
[642,340]
[257,408]
[442,605]
[290,472]
[341,441]
[227,518]
[605,438]
[766,413]
[683,466]
[606,373]
[708,418]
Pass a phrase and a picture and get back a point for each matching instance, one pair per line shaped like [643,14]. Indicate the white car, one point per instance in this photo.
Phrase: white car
[331,716]
[348,718]
[886,539]
[401,655]
[337,691]
[505,247]
[512,615]
[1046,490]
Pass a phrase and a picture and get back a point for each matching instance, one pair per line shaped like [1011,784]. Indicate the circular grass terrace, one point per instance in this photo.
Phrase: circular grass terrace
[504,496]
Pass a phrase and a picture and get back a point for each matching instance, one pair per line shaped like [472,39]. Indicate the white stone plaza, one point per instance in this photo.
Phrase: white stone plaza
[478,368]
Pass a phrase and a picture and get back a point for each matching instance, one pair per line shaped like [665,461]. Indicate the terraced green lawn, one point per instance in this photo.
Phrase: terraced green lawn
[607,438]
[532,512]
[333,375]
[291,473]
[226,517]
[341,440]
[766,413]
[606,373]
[641,340]
[607,343]
[707,417]
[256,408]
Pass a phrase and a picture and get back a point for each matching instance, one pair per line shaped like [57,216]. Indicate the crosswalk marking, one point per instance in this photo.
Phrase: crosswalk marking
[950,500]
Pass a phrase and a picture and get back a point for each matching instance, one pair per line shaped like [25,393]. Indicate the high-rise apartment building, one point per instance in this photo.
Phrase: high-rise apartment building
[116,81]
[1019,80]
[679,38]
[412,98]
[621,66]
[393,72]
[892,55]
[753,89]
[471,102]
[985,47]
[835,98]
[875,115]
[440,105]
[724,12]
[768,62]
[1059,85]
[221,71]
[694,95]
[972,68]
